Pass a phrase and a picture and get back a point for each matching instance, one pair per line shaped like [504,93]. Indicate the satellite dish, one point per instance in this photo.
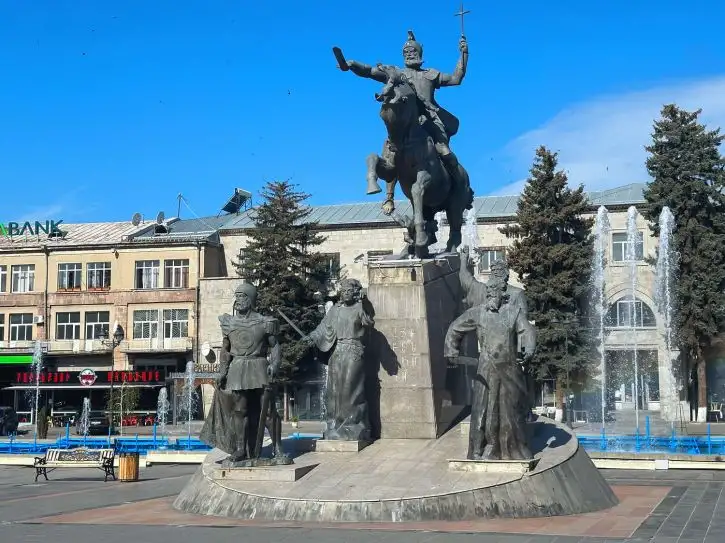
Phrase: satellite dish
[160,217]
[136,219]
[205,348]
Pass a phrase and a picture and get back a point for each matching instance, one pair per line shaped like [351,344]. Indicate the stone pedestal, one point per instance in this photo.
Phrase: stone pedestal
[287,474]
[338,445]
[414,302]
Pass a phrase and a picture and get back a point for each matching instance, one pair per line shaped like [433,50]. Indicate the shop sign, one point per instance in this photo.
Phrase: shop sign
[206,368]
[33,228]
[87,377]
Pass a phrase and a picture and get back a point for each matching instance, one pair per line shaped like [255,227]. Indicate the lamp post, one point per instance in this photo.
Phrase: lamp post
[568,395]
[112,342]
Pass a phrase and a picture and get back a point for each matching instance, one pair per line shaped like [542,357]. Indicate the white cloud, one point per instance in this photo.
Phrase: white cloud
[601,142]
[43,213]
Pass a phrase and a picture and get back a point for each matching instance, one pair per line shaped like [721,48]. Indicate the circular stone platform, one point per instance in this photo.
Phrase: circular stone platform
[406,480]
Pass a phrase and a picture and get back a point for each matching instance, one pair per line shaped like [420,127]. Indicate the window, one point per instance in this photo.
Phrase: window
[626,312]
[375,256]
[3,278]
[620,252]
[487,256]
[147,274]
[332,264]
[23,277]
[21,326]
[176,323]
[97,323]
[145,324]
[2,327]
[68,326]
[69,276]
[99,276]
[176,273]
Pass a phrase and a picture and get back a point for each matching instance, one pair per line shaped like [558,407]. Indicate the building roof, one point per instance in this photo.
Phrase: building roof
[329,216]
[486,207]
[89,233]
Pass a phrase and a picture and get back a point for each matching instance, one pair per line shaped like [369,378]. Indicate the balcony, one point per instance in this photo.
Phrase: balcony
[77,346]
[181,344]
[19,346]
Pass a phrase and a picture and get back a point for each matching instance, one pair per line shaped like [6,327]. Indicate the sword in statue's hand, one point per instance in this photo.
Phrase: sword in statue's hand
[341,62]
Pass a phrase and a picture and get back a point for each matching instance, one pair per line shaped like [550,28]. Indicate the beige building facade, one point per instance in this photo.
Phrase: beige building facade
[359,234]
[69,291]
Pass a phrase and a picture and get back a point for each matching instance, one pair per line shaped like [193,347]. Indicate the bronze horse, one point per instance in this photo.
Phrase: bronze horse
[418,168]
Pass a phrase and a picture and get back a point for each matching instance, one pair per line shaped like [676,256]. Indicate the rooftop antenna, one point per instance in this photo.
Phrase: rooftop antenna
[136,219]
[160,218]
[178,209]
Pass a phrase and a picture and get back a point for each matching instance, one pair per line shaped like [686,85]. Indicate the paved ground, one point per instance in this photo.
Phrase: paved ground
[75,506]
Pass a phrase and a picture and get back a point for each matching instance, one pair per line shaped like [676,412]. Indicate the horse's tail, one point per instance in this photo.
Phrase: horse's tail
[463,175]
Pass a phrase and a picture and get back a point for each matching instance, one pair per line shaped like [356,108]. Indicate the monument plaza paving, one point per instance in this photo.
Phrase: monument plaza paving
[75,506]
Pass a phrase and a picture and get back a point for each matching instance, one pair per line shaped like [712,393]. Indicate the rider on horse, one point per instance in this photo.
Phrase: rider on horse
[439,123]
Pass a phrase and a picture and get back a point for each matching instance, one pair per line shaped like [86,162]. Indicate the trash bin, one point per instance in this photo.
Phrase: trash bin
[128,466]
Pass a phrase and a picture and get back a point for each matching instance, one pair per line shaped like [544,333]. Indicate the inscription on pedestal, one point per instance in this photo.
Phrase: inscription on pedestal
[493,466]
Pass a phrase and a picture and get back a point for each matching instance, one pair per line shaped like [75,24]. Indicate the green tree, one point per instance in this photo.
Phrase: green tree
[124,400]
[687,176]
[281,260]
[552,254]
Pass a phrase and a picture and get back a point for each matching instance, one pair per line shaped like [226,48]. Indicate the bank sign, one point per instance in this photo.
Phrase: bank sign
[28,228]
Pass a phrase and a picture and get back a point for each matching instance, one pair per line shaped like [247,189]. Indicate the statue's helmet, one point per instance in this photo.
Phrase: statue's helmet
[411,43]
[249,290]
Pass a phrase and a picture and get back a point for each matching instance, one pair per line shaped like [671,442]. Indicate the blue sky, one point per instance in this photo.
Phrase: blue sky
[114,107]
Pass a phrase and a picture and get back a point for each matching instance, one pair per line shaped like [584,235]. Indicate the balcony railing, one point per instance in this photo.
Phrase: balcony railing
[180,344]
[77,346]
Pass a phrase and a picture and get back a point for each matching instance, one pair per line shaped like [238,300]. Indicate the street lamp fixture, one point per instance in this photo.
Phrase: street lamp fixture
[113,342]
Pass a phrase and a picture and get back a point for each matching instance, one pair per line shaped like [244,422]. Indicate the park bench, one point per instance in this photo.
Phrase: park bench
[75,458]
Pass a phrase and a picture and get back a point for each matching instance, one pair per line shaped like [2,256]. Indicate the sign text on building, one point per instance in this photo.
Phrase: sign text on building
[30,228]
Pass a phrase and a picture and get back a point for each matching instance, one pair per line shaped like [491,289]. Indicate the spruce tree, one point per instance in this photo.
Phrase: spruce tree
[552,254]
[687,176]
[281,260]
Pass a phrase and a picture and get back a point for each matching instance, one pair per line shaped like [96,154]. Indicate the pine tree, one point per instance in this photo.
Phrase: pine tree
[281,261]
[552,254]
[687,176]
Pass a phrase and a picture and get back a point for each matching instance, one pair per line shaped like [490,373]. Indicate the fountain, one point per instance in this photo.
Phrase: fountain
[601,241]
[84,424]
[666,260]
[470,232]
[33,394]
[189,397]
[631,257]
[162,410]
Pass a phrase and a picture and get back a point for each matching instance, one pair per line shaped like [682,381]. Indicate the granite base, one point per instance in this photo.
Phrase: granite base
[288,473]
[409,480]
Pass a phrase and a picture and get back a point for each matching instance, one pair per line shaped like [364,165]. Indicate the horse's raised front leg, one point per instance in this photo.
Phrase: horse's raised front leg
[422,181]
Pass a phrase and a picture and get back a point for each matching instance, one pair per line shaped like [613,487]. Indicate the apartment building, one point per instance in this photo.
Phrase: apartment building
[69,289]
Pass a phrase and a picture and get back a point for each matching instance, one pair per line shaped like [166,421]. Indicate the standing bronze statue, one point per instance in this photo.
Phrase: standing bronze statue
[244,399]
[417,151]
[343,332]
[506,341]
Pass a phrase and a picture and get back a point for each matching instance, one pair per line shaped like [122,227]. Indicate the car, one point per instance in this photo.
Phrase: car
[97,423]
[8,421]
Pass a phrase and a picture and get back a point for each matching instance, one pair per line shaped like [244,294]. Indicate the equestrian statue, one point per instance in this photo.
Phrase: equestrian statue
[417,151]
